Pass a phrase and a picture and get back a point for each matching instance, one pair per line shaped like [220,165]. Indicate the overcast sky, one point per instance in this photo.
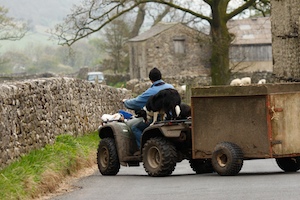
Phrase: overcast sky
[41,16]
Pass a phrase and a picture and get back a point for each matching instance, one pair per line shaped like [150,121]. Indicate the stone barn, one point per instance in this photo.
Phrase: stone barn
[173,48]
[251,48]
[286,39]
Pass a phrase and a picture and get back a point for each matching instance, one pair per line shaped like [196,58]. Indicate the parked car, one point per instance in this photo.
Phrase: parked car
[95,77]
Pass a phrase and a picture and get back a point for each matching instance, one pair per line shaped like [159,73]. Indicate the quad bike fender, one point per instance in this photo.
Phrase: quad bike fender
[162,130]
[124,138]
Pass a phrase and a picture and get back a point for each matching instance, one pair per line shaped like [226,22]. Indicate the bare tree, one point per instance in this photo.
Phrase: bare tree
[10,29]
[139,20]
[141,14]
[116,35]
[93,15]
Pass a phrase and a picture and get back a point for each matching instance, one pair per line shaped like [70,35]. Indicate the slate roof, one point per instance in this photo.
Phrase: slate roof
[155,30]
[251,30]
[247,31]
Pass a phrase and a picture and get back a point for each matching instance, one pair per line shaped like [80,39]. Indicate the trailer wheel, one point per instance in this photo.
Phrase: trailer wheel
[107,157]
[201,166]
[227,159]
[159,157]
[289,164]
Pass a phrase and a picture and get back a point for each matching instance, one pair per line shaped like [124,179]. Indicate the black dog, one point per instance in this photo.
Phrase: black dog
[166,102]
[185,111]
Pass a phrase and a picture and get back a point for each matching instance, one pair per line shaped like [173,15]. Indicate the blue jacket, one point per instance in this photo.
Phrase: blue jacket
[140,101]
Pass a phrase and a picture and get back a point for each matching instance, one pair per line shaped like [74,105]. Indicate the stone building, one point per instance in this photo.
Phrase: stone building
[251,48]
[172,47]
[286,41]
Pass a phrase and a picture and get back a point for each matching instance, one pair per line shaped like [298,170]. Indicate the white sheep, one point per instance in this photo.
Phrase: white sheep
[183,87]
[262,81]
[246,81]
[236,82]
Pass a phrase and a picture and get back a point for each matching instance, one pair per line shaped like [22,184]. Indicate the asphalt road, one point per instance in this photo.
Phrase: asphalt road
[258,179]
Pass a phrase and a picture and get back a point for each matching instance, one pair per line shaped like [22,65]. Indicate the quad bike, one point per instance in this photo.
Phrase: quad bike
[162,146]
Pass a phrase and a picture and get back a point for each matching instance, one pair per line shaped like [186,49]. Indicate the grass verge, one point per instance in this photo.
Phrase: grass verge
[41,171]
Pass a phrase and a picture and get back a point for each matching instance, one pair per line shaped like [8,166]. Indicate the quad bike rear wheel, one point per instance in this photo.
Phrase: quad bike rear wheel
[159,157]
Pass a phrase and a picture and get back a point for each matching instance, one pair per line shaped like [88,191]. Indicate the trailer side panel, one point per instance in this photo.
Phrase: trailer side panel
[238,119]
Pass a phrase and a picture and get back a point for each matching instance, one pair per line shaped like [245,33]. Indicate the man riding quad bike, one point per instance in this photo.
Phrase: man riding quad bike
[162,146]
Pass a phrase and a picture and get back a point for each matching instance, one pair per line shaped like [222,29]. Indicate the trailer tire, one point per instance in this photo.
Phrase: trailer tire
[107,157]
[159,157]
[201,166]
[289,164]
[227,159]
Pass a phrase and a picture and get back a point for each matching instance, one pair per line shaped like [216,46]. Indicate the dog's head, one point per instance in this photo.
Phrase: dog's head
[142,113]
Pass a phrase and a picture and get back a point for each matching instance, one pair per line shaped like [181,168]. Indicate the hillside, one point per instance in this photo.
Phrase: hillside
[41,15]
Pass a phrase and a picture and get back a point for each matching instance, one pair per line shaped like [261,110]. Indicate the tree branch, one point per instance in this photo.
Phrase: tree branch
[10,29]
[238,10]
[68,34]
[171,4]
[93,15]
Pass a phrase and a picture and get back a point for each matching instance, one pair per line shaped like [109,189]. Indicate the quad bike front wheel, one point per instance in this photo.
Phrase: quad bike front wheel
[159,157]
[107,157]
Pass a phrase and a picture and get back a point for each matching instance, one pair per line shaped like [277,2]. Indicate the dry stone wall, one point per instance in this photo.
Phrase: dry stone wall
[34,112]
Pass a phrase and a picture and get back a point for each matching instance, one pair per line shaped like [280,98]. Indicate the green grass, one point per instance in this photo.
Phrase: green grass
[40,171]
[118,84]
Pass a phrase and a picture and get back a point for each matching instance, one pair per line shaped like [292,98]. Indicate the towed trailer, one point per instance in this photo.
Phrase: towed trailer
[231,124]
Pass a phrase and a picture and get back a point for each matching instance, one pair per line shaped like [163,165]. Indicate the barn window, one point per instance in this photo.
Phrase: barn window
[179,45]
